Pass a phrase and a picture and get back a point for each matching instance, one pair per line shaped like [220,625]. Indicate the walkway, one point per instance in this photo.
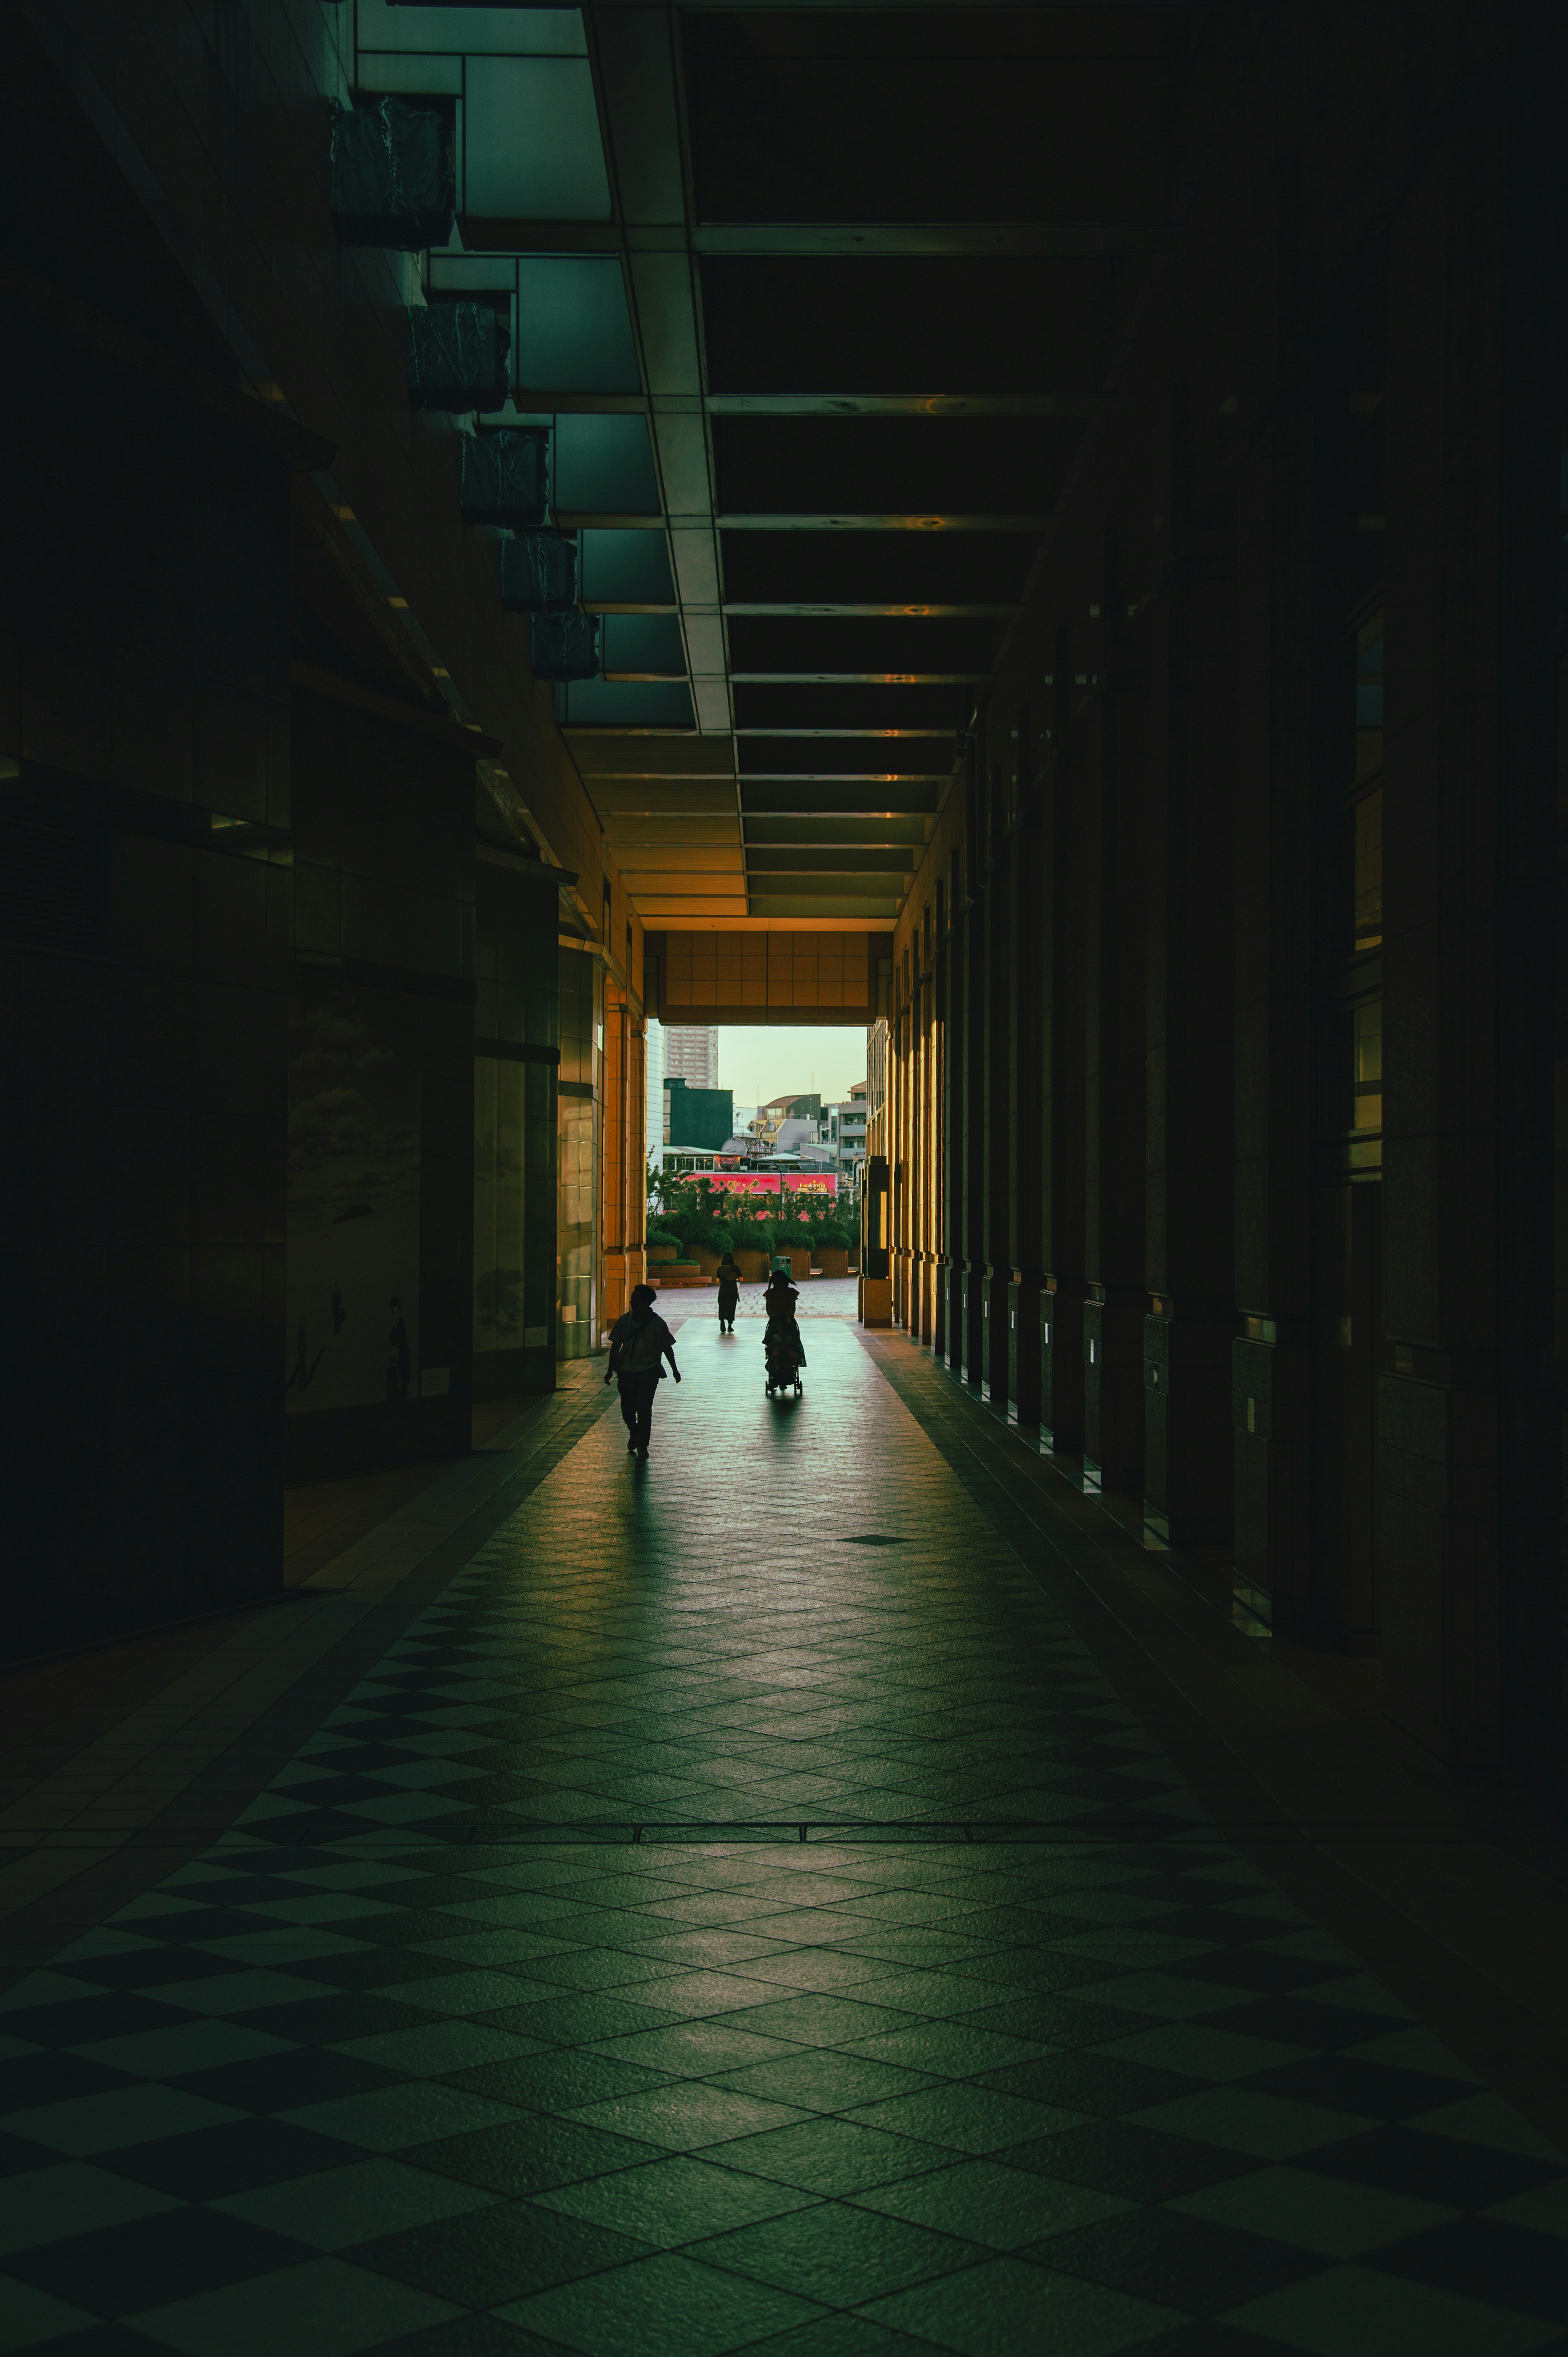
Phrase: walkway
[738,1911]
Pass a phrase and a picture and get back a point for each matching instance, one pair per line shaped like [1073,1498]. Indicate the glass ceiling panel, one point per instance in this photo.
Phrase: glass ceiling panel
[574,328]
[626,704]
[531,134]
[604,466]
[481,32]
[627,568]
[421,76]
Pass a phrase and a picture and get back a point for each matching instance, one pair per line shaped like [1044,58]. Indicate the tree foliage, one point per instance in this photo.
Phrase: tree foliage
[693,1212]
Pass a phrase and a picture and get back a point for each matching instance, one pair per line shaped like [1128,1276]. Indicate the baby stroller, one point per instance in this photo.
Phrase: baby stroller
[783,1354]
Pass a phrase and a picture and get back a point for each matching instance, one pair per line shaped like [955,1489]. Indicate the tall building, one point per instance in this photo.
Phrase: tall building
[691,1054]
[654,1037]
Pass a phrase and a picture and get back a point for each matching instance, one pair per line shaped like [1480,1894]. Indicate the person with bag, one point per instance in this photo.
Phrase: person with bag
[640,1342]
[729,1293]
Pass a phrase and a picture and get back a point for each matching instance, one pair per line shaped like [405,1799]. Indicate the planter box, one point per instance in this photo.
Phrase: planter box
[656,1253]
[832,1260]
[799,1266]
[752,1266]
[708,1261]
[670,1279]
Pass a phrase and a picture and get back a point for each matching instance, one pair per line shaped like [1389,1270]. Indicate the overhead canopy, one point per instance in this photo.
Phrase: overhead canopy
[820,306]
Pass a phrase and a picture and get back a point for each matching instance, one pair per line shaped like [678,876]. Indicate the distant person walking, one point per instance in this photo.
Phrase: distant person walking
[729,1293]
[640,1342]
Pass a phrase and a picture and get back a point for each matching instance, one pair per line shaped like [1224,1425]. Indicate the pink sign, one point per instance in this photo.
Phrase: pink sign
[770,1182]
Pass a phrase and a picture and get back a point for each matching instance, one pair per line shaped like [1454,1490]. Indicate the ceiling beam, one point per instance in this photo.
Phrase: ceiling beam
[802,522]
[859,613]
[860,678]
[480,235]
[633,47]
[539,400]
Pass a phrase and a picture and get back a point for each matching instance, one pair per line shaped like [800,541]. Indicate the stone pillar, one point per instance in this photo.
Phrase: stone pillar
[1466,492]
[996,1229]
[1060,977]
[1190,979]
[955,1088]
[972,1340]
[1272,832]
[1025,1275]
[1109,713]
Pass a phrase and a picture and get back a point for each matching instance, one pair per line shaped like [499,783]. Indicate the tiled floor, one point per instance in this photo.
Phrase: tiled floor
[738,1913]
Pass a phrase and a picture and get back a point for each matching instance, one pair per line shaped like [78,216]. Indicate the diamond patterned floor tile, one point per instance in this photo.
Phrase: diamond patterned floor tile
[517,2016]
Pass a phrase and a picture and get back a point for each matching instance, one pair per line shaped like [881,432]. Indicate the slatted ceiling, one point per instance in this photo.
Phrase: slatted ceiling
[909,465]
[892,757]
[632,836]
[875,568]
[823,830]
[781,643]
[933,325]
[984,116]
[899,328]
[700,861]
[768,797]
[799,859]
[835,708]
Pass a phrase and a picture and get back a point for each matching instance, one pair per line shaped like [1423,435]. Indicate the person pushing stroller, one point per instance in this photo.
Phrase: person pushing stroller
[784,1353]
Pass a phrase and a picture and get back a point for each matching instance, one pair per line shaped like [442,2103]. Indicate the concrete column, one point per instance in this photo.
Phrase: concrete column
[1464,650]
[1061,1068]
[996,1224]
[1191,981]
[955,1084]
[1272,834]
[972,1272]
[1024,1291]
[1109,714]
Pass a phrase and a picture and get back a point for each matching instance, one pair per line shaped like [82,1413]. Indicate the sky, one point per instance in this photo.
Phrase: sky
[763,1061]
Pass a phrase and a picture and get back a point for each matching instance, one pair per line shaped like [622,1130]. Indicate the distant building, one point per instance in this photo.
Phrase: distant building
[692,1055]
[700,1119]
[653,1139]
[844,1131]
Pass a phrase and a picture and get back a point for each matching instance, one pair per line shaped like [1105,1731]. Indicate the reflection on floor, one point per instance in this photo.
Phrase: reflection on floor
[733,1909]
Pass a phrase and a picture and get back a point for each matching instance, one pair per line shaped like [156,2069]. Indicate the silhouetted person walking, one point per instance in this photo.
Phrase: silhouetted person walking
[640,1342]
[729,1293]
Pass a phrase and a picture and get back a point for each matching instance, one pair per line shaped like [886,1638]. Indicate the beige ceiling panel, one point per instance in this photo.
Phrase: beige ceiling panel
[696,565]
[684,904]
[600,755]
[684,462]
[711,697]
[692,859]
[705,644]
[659,797]
[661,285]
[631,834]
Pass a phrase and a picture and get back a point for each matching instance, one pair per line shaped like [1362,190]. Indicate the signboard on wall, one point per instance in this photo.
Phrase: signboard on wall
[772,1182]
[353,1197]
